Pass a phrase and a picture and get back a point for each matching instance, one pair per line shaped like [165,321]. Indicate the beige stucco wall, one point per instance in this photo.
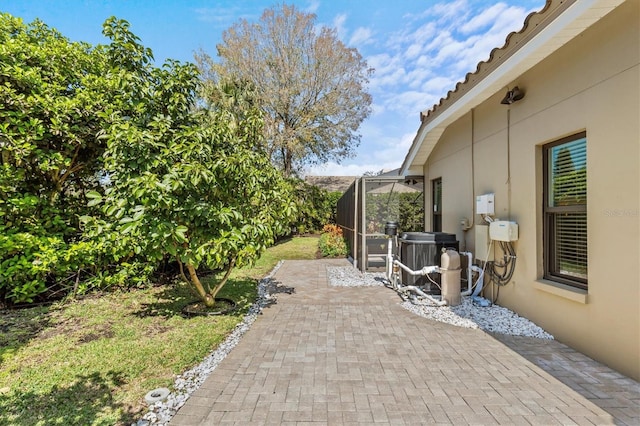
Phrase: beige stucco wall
[592,84]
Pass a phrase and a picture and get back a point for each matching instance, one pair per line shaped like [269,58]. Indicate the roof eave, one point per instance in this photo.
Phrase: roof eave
[541,35]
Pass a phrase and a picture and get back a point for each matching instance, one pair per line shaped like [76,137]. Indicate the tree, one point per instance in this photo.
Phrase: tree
[310,86]
[187,183]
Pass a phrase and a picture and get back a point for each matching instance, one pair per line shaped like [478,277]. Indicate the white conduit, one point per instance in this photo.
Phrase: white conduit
[411,288]
[393,277]
[479,282]
[424,271]
[469,276]
[421,293]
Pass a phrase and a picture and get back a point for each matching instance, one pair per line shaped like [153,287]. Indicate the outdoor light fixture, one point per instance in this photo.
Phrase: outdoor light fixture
[512,96]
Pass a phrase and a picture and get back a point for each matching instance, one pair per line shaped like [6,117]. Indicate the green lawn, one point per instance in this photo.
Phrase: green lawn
[90,362]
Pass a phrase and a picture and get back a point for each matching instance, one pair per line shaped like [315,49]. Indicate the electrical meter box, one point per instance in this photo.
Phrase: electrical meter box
[484,204]
[502,230]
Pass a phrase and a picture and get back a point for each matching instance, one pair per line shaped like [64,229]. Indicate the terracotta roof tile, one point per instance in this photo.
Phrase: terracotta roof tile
[533,24]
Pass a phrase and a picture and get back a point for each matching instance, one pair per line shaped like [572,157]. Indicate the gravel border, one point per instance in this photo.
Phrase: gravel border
[161,412]
[348,276]
[493,318]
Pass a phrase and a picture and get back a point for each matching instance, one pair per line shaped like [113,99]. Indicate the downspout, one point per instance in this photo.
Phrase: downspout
[473,168]
[470,269]
[467,226]
[508,162]
[469,279]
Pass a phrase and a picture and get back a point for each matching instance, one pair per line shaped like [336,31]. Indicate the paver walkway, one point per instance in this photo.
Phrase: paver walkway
[336,355]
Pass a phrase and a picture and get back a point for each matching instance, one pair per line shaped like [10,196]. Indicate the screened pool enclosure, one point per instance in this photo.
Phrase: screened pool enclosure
[368,204]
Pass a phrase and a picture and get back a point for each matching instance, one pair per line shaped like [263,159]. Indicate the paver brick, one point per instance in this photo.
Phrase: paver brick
[334,356]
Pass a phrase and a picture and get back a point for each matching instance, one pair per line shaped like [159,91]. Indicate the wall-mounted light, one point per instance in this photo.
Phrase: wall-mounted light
[512,96]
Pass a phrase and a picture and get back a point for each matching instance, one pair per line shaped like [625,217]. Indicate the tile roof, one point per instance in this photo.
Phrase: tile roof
[543,33]
[533,24]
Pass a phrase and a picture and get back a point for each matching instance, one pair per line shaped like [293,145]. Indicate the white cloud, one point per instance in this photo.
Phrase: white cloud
[417,66]
[442,41]
[409,102]
[339,24]
[388,71]
[312,7]
[394,150]
[387,155]
[451,13]
[510,19]
[413,51]
[486,18]
[416,77]
[221,16]
[439,85]
[333,169]
[361,36]
[377,109]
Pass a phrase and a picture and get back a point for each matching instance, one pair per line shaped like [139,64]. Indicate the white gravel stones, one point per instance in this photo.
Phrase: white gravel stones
[347,276]
[493,318]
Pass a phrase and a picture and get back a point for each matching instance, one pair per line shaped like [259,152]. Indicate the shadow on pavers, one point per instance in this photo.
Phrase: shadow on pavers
[608,389]
[274,288]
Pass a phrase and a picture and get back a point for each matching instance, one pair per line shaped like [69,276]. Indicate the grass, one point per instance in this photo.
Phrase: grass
[90,362]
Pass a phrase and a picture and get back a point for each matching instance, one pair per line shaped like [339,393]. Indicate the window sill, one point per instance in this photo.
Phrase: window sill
[561,290]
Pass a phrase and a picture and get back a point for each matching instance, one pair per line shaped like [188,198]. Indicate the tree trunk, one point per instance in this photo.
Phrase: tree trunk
[224,279]
[287,161]
[194,282]
[206,298]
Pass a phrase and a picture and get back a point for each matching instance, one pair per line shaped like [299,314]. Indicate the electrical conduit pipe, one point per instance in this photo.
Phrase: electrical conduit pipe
[424,271]
[479,282]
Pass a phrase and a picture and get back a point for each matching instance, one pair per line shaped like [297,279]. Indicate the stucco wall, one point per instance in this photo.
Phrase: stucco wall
[591,84]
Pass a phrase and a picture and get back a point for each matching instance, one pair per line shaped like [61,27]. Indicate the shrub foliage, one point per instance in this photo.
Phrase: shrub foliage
[109,164]
[52,92]
[315,206]
[332,242]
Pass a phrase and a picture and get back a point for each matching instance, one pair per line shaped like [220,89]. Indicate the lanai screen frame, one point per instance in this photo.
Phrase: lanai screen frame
[364,233]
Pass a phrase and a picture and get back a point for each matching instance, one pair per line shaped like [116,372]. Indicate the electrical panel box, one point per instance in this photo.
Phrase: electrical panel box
[502,230]
[485,204]
[482,244]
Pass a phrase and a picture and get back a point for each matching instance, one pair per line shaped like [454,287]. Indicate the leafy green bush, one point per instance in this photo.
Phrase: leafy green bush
[53,94]
[332,242]
[182,178]
[316,207]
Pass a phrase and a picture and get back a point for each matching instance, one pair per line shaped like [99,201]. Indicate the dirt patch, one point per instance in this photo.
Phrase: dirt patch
[20,326]
[156,329]
[66,327]
[105,331]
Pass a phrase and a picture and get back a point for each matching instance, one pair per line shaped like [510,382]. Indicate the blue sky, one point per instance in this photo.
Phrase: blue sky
[418,48]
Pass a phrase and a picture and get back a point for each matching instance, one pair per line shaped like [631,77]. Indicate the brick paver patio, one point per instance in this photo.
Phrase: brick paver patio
[335,355]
